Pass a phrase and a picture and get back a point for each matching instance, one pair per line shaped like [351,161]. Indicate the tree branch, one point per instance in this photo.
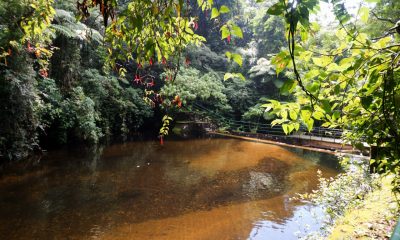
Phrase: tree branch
[383,19]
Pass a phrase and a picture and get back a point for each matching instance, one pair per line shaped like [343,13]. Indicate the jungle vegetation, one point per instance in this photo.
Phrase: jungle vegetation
[85,74]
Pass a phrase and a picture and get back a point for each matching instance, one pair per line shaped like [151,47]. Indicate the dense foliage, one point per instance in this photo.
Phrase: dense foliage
[53,89]
[351,82]
[82,74]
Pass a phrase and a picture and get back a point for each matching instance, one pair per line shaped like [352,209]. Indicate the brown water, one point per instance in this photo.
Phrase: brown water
[191,189]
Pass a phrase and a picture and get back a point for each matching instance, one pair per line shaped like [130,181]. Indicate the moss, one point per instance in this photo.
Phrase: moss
[375,218]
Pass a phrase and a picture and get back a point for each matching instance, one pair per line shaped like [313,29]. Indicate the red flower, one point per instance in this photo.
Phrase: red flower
[187,61]
[151,61]
[137,79]
[229,38]
[150,84]
[196,26]
[43,73]
[29,48]
[177,101]
[164,61]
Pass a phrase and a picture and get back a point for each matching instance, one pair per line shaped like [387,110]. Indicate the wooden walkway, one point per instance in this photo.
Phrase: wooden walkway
[337,151]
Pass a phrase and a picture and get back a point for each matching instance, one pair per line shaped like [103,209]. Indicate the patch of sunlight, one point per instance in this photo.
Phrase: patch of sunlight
[375,218]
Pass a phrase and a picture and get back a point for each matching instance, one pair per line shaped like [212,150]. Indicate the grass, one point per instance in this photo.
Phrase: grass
[375,218]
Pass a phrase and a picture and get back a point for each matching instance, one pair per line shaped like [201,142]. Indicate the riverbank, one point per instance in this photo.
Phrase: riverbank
[374,218]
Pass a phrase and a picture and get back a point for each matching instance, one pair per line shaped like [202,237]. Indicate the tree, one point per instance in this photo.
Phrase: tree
[192,87]
[23,41]
[354,86]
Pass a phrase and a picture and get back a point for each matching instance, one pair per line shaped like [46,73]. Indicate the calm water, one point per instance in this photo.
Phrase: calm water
[191,189]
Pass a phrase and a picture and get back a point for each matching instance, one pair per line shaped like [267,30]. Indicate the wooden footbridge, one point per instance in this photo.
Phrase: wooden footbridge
[325,139]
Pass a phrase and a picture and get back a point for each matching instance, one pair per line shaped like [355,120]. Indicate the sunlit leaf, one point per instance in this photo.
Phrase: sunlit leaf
[214,13]
[364,14]
[224,9]
[237,31]
[237,58]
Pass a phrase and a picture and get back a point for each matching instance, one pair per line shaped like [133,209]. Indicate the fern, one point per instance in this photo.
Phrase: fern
[64,30]
[62,16]
[67,25]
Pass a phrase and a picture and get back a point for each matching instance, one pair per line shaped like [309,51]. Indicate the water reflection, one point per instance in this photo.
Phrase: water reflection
[192,189]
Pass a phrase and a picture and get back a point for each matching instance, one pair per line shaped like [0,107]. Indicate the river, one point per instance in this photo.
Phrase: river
[185,189]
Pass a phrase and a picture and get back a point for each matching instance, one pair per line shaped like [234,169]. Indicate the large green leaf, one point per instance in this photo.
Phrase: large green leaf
[237,31]
[276,9]
[214,13]
[237,58]
[225,32]
[288,86]
[224,9]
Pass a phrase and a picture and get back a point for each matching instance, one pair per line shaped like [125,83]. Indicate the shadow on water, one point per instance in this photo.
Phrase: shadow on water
[191,189]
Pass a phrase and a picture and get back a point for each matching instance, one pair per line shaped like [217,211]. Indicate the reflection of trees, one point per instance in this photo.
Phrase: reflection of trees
[325,159]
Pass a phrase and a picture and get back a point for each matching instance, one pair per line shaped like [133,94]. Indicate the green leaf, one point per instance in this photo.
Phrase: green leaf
[237,58]
[224,9]
[228,55]
[234,75]
[326,106]
[310,124]
[326,124]
[318,115]
[284,114]
[228,76]
[276,9]
[312,74]
[285,128]
[225,32]
[240,76]
[237,31]
[293,115]
[288,86]
[322,61]
[364,14]
[366,101]
[281,60]
[214,13]
[336,115]
[314,87]
[373,87]
[138,23]
[382,42]
[305,115]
